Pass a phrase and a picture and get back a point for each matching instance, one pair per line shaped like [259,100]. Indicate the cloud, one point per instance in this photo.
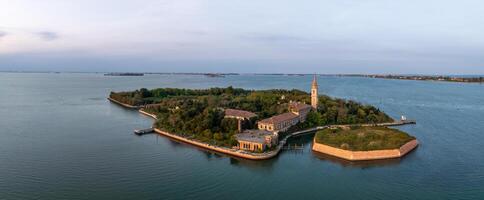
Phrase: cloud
[47,35]
[3,34]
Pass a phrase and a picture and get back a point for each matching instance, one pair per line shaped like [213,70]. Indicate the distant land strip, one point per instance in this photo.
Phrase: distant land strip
[446,78]
[462,79]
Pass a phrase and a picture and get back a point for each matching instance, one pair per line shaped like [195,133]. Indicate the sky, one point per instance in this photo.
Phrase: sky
[267,36]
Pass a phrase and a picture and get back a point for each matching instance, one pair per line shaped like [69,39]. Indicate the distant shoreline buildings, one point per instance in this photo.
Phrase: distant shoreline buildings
[460,79]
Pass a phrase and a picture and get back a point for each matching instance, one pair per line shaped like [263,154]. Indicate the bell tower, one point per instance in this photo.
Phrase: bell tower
[314,93]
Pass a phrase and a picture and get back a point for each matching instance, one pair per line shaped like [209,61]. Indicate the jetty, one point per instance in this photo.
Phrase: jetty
[144,131]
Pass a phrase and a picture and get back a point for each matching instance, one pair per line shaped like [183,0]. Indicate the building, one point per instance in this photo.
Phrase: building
[314,93]
[256,140]
[266,136]
[239,114]
[297,113]
[242,116]
[280,122]
[300,109]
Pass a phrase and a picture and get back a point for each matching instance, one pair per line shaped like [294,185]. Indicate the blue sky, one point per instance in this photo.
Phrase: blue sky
[271,36]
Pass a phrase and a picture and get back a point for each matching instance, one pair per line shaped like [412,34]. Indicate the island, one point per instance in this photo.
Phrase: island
[363,142]
[252,124]
[124,74]
[424,78]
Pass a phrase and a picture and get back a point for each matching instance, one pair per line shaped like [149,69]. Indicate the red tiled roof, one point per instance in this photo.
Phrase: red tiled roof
[239,113]
[299,106]
[279,118]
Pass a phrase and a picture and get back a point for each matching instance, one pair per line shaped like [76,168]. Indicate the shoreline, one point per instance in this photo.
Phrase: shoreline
[242,153]
[365,155]
[275,152]
[123,104]
[224,150]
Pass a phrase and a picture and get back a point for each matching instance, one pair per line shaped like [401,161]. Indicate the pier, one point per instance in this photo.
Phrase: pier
[144,131]
[293,147]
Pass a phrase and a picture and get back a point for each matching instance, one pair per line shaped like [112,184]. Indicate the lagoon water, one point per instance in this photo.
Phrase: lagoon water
[61,139]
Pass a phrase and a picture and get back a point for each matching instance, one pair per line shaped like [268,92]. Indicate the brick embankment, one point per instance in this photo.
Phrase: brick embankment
[365,155]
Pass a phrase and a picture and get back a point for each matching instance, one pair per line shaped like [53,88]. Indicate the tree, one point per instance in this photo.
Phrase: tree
[313,119]
[144,93]
[218,136]
[361,113]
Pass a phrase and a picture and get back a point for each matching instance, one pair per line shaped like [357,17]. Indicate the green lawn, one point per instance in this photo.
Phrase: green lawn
[363,138]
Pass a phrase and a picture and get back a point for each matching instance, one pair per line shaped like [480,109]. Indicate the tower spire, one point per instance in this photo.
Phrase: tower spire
[314,93]
[315,82]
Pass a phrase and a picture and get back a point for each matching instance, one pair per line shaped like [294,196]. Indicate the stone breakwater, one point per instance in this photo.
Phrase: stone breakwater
[365,155]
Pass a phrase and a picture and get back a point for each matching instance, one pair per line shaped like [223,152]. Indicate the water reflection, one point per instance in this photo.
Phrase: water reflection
[357,164]
[258,165]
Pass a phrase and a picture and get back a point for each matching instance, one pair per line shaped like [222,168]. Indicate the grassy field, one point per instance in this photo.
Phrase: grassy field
[363,138]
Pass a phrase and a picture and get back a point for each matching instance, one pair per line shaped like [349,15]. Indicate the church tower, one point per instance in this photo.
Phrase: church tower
[314,93]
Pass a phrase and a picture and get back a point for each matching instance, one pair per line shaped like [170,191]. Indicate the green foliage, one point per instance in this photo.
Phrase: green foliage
[358,138]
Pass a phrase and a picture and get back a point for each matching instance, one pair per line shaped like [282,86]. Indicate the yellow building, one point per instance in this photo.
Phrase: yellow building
[280,122]
[266,136]
[300,109]
[256,140]
[297,113]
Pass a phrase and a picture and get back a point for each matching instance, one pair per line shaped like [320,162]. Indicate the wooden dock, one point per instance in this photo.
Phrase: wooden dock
[293,147]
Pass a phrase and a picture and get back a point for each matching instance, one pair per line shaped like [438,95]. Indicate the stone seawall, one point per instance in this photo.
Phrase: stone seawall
[365,155]
[233,152]
[123,104]
[148,114]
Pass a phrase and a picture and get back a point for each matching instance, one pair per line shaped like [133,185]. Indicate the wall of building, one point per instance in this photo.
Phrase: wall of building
[281,126]
[263,126]
[251,146]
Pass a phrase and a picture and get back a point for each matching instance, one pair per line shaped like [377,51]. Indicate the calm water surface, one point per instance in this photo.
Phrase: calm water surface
[61,139]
